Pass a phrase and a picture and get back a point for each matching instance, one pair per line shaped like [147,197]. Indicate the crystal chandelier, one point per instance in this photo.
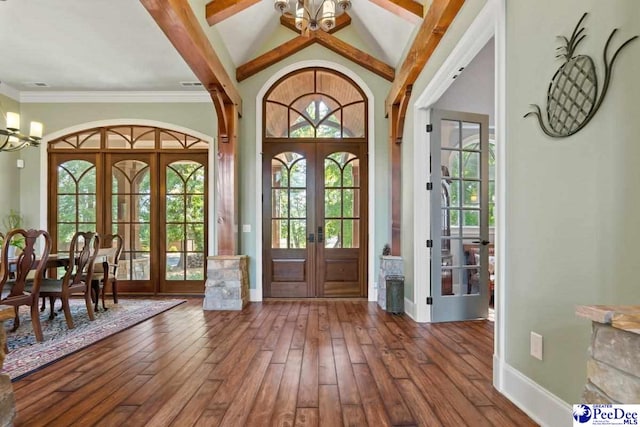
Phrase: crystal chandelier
[13,139]
[313,14]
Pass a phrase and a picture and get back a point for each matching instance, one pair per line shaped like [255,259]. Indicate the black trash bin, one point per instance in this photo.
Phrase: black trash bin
[395,294]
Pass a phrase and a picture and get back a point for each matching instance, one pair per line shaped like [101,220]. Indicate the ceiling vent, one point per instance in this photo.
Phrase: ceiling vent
[190,84]
[37,84]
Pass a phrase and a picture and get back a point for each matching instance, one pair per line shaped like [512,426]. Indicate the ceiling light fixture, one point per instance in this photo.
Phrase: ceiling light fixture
[14,140]
[313,14]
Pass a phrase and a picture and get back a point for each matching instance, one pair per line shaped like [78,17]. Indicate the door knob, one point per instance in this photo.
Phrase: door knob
[311,238]
[320,235]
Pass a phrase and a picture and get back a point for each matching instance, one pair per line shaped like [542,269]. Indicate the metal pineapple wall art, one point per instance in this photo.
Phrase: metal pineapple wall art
[572,97]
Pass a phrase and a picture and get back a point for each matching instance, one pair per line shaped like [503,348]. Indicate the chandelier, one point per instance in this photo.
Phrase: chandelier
[13,139]
[313,14]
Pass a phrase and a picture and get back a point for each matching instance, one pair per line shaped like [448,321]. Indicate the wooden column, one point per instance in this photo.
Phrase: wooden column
[227,182]
[395,157]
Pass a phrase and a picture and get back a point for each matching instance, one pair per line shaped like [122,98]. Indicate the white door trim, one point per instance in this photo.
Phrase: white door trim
[256,294]
[475,38]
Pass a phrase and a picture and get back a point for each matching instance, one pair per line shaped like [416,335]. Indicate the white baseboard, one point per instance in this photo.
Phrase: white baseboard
[254,296]
[373,293]
[410,309]
[544,407]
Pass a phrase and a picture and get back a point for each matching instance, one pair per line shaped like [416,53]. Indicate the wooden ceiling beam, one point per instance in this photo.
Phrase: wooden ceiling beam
[435,24]
[341,22]
[406,9]
[219,10]
[177,20]
[273,56]
[355,55]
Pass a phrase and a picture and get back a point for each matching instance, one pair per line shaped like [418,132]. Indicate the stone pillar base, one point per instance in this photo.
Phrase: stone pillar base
[389,266]
[227,286]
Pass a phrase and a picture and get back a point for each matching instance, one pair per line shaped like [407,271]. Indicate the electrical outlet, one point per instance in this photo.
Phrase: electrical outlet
[246,228]
[536,345]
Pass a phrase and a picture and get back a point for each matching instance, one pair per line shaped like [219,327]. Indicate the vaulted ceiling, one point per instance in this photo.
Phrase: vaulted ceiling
[73,45]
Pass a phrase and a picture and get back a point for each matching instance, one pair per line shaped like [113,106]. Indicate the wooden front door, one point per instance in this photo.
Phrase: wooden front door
[314,219]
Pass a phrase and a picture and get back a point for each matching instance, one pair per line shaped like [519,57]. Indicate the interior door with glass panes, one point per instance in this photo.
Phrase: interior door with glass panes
[288,205]
[459,215]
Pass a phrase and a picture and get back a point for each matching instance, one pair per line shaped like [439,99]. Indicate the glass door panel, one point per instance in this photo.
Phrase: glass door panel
[184,225]
[131,216]
[183,200]
[459,256]
[341,255]
[287,220]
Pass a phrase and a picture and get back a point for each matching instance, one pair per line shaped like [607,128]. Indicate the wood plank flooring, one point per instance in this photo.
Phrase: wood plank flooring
[281,363]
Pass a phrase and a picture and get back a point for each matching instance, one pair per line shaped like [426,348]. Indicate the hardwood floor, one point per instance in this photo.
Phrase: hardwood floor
[326,363]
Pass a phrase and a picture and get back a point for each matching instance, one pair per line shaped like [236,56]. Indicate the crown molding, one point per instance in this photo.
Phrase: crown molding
[115,97]
[9,91]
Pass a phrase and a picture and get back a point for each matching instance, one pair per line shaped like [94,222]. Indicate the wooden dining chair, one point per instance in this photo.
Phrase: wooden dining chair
[32,259]
[101,277]
[77,277]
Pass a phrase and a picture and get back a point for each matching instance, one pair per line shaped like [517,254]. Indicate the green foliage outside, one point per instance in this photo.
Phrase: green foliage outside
[185,203]
[469,194]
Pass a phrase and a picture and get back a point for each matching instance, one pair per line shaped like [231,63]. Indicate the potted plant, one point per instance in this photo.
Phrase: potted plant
[10,221]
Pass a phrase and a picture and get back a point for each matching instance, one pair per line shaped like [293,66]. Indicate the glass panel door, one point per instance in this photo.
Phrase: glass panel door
[288,220]
[459,224]
[183,201]
[131,215]
[341,229]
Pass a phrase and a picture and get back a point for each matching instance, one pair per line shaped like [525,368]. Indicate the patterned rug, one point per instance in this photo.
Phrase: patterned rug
[26,355]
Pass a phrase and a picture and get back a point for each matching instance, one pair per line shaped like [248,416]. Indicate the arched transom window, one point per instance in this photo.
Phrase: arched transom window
[315,103]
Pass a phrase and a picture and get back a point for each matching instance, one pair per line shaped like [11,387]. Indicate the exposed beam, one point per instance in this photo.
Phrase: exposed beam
[227,185]
[327,40]
[395,156]
[435,24]
[219,10]
[273,56]
[180,25]
[406,9]
[341,22]
[355,55]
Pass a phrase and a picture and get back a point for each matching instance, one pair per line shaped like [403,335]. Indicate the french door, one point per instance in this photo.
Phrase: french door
[459,216]
[154,200]
[314,213]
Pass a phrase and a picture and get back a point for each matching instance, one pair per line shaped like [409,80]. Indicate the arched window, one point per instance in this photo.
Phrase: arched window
[315,103]
[146,184]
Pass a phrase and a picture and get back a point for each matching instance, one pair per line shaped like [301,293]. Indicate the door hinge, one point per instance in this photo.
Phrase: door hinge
[429,300]
[429,128]
[429,243]
[429,186]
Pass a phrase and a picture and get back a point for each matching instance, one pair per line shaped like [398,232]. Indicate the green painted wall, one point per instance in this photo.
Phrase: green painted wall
[8,171]
[572,203]
[55,117]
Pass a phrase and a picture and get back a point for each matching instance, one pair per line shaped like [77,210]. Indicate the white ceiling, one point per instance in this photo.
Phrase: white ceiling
[115,45]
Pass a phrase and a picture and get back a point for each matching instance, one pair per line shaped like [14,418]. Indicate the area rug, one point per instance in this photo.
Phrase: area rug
[26,355]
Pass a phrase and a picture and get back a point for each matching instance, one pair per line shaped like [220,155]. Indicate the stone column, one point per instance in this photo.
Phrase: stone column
[389,266]
[7,400]
[227,286]
[613,368]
